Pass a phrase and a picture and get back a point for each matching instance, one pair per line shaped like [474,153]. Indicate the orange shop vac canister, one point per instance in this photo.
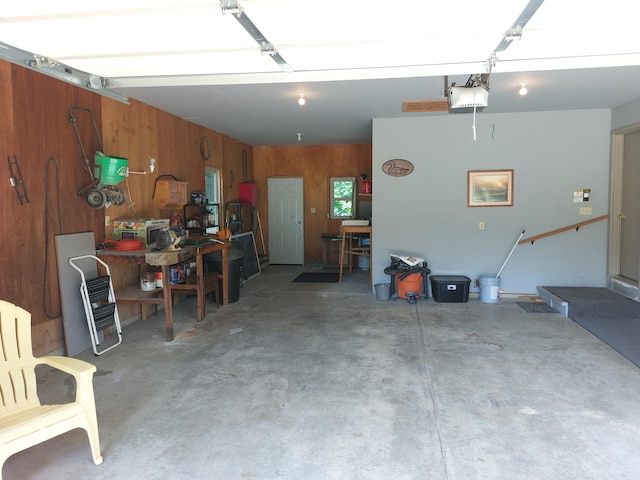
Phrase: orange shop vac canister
[412,283]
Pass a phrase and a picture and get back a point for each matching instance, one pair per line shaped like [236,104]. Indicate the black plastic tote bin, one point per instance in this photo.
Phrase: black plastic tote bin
[450,288]
[214,264]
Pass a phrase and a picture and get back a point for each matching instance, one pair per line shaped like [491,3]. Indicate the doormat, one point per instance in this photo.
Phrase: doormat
[317,277]
[537,307]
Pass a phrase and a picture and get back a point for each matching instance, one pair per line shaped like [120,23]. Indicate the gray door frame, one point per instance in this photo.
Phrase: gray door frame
[615,281]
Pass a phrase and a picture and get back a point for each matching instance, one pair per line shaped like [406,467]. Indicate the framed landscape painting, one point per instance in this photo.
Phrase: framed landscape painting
[490,188]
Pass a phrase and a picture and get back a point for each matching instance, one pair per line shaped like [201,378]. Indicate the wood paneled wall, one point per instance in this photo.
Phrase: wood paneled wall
[35,127]
[36,130]
[315,164]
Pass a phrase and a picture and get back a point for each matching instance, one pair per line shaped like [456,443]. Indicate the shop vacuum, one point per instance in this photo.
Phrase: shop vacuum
[408,281]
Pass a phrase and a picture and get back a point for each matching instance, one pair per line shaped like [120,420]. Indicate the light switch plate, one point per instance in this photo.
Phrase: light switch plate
[586,211]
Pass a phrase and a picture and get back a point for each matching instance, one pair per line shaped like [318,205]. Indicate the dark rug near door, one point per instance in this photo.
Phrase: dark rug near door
[611,317]
[536,307]
[317,277]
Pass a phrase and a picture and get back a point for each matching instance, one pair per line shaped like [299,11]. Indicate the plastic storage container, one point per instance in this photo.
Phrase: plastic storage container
[214,264]
[450,288]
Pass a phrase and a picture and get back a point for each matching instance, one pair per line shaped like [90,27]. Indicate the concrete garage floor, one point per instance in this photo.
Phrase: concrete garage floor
[322,381]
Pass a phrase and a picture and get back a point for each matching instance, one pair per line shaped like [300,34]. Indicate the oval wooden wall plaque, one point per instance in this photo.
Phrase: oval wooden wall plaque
[397,167]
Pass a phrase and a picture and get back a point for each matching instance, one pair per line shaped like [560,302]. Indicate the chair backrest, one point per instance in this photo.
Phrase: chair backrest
[18,386]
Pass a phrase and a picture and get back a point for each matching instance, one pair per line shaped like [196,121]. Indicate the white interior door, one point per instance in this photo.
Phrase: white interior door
[630,212]
[286,221]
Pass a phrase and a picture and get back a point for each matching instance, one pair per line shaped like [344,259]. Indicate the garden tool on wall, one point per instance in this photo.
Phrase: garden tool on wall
[244,167]
[107,171]
[15,179]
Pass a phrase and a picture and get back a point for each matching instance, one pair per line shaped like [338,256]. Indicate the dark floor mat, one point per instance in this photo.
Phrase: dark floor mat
[596,302]
[317,277]
[611,317]
[536,307]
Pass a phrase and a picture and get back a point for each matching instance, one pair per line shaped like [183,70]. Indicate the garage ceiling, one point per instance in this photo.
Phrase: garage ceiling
[353,60]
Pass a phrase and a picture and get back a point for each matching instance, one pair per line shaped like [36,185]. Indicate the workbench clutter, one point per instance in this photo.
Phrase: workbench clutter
[197,281]
[141,229]
[408,278]
[148,281]
[179,273]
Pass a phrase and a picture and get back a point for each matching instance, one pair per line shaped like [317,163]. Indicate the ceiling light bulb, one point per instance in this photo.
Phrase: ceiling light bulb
[301,100]
[523,89]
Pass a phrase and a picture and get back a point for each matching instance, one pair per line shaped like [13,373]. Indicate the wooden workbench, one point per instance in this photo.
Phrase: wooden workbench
[164,259]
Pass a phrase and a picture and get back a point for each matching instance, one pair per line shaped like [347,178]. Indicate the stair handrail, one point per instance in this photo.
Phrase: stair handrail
[564,229]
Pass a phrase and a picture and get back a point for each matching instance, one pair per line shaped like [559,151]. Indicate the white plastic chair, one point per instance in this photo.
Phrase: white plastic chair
[25,422]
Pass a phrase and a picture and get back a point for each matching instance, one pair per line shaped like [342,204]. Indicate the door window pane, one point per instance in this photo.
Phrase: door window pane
[212,178]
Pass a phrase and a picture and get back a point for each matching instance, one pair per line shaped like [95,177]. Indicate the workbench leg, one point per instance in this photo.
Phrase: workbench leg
[168,303]
[371,259]
[200,288]
[341,256]
[144,308]
[225,274]
[350,254]
[325,253]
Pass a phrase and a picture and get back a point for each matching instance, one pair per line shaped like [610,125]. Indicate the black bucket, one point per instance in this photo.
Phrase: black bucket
[214,264]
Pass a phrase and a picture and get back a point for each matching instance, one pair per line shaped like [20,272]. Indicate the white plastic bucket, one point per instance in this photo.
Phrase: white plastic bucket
[489,288]
[383,291]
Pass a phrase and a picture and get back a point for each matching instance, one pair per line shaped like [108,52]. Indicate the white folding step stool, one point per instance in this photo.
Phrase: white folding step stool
[99,304]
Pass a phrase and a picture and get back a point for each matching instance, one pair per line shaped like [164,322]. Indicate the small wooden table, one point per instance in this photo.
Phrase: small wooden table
[164,259]
[348,231]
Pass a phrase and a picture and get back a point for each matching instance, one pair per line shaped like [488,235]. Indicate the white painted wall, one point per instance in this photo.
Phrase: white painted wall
[552,154]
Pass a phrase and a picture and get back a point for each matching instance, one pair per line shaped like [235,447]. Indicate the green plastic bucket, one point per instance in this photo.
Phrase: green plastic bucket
[109,169]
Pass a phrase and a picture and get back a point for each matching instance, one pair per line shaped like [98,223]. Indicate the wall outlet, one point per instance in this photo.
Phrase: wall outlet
[313,209]
[586,211]
[481,226]
[107,220]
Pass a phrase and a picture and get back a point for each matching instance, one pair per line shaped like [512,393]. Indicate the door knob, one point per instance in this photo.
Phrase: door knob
[621,216]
